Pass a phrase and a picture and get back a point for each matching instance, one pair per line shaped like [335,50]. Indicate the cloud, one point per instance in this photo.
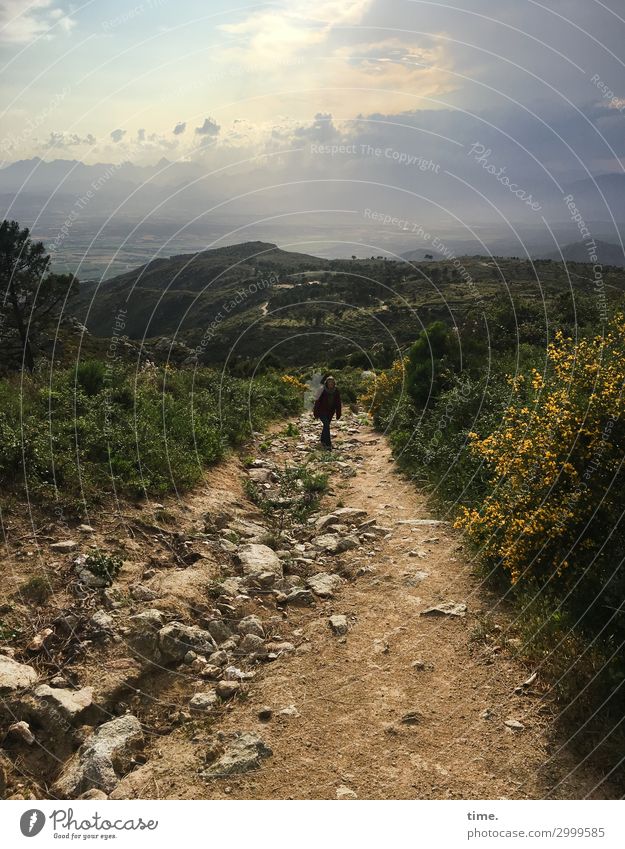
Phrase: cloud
[22,21]
[118,135]
[141,135]
[60,140]
[208,128]
[180,127]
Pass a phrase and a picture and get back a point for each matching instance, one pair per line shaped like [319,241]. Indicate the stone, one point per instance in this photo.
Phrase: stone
[514,724]
[142,593]
[265,714]
[142,634]
[20,731]
[105,757]
[413,717]
[218,658]
[233,673]
[300,598]
[345,792]
[93,795]
[252,644]
[244,752]
[227,689]
[256,559]
[203,702]
[323,584]
[64,545]
[219,630]
[228,546]
[102,620]
[446,608]
[335,543]
[290,710]
[251,625]
[176,639]
[210,672]
[15,676]
[350,515]
[339,624]
[70,704]
[260,475]
[276,649]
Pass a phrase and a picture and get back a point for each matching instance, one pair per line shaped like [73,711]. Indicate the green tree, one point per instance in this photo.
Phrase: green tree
[31,294]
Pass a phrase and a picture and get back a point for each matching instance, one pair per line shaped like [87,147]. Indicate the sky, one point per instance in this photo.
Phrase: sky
[110,81]
[423,97]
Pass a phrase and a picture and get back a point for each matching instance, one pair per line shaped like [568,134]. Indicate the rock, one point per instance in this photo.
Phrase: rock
[345,792]
[277,649]
[228,546]
[422,522]
[251,625]
[20,732]
[252,644]
[203,702]
[300,598]
[142,593]
[210,672]
[418,552]
[265,714]
[243,753]
[218,658]
[4,780]
[291,710]
[413,717]
[85,529]
[93,795]
[260,475]
[350,515]
[102,621]
[227,689]
[15,676]
[339,624]
[69,704]
[176,639]
[105,757]
[64,545]
[446,608]
[37,642]
[487,713]
[256,559]
[232,673]
[334,543]
[323,584]
[143,631]
[514,724]
[219,630]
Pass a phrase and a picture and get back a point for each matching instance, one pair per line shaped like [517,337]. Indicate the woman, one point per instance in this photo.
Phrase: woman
[327,404]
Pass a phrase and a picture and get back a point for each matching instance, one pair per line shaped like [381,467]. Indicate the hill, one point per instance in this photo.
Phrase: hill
[607,253]
[252,299]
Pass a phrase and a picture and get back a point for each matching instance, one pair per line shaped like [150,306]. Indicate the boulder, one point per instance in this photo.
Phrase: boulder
[227,689]
[252,644]
[256,559]
[176,639]
[323,584]
[300,598]
[260,475]
[105,757]
[446,608]
[219,630]
[15,676]
[244,752]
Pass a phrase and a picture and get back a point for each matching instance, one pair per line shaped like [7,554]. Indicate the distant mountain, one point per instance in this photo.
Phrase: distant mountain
[607,253]
[186,294]
[599,198]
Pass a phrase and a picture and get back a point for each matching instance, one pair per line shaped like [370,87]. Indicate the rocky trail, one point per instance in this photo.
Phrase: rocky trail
[351,653]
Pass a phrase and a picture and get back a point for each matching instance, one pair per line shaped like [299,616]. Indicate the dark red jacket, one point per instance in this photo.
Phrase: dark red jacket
[326,407]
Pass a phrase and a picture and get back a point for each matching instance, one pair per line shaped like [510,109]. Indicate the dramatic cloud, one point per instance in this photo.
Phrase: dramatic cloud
[180,128]
[118,135]
[208,128]
[65,140]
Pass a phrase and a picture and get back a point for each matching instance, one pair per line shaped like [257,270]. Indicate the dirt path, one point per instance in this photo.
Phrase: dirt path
[405,705]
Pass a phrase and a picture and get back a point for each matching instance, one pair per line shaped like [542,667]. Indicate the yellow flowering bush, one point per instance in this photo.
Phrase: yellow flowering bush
[555,463]
[293,383]
[383,390]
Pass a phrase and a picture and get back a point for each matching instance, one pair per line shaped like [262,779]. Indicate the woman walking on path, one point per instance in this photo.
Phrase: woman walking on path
[327,404]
